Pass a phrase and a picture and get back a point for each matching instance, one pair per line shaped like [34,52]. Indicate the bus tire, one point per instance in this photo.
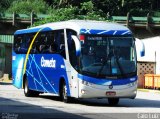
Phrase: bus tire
[27,91]
[113,101]
[64,96]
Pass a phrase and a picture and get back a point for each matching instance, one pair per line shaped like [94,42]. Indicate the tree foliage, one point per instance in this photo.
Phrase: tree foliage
[114,7]
[5,4]
[121,7]
[60,10]
[28,6]
[85,11]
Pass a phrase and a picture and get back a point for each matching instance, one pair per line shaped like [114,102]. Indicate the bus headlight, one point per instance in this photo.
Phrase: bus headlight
[132,84]
[83,91]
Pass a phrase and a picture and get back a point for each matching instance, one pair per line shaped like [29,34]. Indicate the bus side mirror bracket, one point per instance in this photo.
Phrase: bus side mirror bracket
[77,45]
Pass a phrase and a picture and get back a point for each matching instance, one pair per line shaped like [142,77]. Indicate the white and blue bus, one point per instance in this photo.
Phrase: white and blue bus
[76,59]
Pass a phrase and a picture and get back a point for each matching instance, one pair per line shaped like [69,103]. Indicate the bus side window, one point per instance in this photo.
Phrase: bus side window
[60,42]
[23,48]
[18,44]
[52,42]
[44,43]
[34,46]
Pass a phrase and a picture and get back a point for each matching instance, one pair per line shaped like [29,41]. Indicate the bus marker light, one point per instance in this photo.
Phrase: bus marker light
[81,37]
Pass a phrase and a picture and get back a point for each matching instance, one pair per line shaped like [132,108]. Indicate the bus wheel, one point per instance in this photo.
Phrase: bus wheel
[28,92]
[65,98]
[113,101]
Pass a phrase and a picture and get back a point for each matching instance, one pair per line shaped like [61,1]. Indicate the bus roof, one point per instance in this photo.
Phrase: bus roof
[82,27]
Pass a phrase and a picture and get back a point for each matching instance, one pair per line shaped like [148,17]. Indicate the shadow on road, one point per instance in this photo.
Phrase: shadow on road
[133,103]
[141,103]
[18,110]
[4,83]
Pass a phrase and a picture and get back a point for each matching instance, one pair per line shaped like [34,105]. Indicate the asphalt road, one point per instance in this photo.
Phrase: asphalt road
[14,105]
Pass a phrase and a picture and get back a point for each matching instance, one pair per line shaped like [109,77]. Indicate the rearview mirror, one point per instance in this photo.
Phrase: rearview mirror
[77,45]
[140,48]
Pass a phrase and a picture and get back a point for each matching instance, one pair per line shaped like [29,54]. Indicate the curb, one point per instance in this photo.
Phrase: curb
[5,81]
[149,90]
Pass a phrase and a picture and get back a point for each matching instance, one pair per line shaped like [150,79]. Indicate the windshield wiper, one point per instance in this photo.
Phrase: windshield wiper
[120,68]
[118,64]
[103,64]
[93,74]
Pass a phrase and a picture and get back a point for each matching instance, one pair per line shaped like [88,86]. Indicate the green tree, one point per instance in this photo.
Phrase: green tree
[27,6]
[66,3]
[85,11]
[5,4]
[113,7]
[121,7]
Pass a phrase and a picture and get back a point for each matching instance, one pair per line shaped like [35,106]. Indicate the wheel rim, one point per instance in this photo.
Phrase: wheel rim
[64,92]
[26,87]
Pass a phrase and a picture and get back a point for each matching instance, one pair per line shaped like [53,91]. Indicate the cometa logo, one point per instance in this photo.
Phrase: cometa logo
[48,63]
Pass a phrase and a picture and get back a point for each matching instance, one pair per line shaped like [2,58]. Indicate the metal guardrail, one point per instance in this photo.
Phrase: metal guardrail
[135,19]
[132,21]
[21,18]
[6,38]
[129,20]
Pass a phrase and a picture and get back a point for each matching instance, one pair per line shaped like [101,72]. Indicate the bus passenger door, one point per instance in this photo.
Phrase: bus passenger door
[18,58]
[73,64]
[17,69]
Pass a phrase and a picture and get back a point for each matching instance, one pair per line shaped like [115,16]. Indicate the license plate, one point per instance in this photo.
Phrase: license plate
[111,93]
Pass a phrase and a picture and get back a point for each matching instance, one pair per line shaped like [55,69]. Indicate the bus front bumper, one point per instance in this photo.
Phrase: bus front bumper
[101,91]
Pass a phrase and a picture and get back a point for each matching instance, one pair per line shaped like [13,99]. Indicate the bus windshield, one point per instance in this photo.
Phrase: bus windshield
[104,57]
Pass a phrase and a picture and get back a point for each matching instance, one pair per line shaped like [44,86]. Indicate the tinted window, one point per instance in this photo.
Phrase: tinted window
[45,43]
[20,44]
[72,49]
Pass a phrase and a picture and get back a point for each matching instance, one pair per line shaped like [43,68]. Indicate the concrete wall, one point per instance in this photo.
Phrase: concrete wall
[152,52]
[2,59]
[8,28]
[8,59]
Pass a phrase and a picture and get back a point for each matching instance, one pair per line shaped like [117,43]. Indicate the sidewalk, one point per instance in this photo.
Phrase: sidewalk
[149,90]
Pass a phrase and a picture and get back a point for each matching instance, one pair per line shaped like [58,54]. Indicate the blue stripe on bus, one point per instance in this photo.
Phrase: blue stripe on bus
[106,81]
[105,32]
[40,78]
[46,78]
[33,30]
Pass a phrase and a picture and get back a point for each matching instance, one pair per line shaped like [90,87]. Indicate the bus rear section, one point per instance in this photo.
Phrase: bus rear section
[39,61]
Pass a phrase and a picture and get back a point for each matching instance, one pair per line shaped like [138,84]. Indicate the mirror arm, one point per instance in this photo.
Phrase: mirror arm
[77,44]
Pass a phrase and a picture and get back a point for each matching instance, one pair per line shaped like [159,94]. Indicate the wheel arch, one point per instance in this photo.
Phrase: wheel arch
[62,80]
